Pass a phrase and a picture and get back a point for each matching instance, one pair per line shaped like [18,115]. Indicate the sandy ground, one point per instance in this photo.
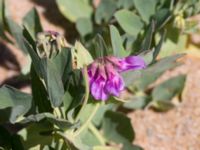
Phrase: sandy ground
[178,129]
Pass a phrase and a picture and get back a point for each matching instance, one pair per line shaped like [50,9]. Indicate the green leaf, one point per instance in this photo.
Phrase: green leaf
[147,56]
[147,42]
[81,55]
[168,89]
[86,112]
[73,10]
[129,22]
[88,138]
[162,17]
[51,73]
[105,11]
[27,67]
[136,102]
[29,38]
[76,143]
[15,102]
[67,100]
[76,86]
[36,135]
[17,32]
[50,118]
[54,84]
[127,4]
[129,77]
[145,8]
[63,62]
[174,42]
[159,46]
[40,96]
[37,62]
[97,120]
[84,26]
[100,47]
[117,127]
[117,44]
[162,105]
[129,40]
[32,23]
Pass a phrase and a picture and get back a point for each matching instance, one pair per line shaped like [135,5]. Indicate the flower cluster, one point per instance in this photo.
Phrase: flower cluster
[104,75]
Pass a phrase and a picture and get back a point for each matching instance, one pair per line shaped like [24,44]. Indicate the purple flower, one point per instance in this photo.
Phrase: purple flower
[131,63]
[104,75]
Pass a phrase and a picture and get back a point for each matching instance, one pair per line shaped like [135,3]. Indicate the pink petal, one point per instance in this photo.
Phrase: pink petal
[132,63]
[115,82]
[97,89]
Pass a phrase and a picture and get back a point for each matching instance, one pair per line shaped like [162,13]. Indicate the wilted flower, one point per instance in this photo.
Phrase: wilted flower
[105,78]
[50,43]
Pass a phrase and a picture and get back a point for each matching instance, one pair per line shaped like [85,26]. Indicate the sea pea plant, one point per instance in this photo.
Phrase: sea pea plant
[80,89]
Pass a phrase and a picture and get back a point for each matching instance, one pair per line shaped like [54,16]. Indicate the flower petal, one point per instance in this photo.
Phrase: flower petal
[115,85]
[98,89]
[131,63]
[114,82]
[92,69]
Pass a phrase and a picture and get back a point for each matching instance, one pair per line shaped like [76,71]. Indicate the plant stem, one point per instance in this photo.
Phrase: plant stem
[85,125]
[96,132]
[87,91]
[62,135]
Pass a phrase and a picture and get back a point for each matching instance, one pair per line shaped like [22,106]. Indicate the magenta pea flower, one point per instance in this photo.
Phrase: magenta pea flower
[104,75]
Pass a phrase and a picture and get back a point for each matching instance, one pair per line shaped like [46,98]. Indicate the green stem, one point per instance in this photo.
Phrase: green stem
[87,91]
[96,132]
[85,125]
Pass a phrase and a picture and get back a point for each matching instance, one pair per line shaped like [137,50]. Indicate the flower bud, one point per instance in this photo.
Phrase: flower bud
[179,21]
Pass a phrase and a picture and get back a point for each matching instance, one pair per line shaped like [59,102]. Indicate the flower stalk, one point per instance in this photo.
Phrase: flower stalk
[85,124]
[96,132]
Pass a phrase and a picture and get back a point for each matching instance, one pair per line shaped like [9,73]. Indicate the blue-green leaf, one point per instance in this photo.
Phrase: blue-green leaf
[130,22]
[84,26]
[168,89]
[32,23]
[145,8]
[105,11]
[117,44]
[15,102]
[117,128]
[74,9]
